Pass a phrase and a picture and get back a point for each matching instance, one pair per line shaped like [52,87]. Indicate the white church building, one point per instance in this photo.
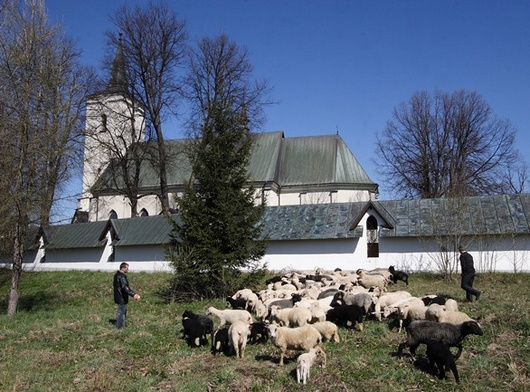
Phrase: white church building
[322,208]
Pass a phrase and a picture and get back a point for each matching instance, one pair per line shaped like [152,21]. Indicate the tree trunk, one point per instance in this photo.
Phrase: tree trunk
[18,251]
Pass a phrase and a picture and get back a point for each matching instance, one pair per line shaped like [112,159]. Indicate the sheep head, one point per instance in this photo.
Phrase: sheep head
[472,328]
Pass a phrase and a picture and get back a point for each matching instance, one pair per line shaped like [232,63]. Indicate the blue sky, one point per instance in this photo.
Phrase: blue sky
[344,65]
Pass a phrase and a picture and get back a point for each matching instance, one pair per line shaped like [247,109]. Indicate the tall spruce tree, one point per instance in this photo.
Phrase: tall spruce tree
[217,247]
[217,241]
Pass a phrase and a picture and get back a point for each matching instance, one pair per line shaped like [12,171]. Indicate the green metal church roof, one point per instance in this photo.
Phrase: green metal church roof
[289,162]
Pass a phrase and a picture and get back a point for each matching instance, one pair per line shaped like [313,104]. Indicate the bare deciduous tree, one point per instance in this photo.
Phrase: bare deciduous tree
[154,48]
[446,145]
[219,76]
[41,95]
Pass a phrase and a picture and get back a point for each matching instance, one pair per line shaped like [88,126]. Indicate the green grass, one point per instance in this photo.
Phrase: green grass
[61,340]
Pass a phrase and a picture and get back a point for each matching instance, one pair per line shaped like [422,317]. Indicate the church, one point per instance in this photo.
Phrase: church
[322,207]
[284,171]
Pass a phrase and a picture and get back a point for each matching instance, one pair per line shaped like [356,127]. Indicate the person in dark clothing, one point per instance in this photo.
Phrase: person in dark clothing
[468,274]
[122,292]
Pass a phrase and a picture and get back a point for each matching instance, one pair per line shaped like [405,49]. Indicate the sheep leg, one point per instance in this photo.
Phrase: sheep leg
[459,351]
[281,357]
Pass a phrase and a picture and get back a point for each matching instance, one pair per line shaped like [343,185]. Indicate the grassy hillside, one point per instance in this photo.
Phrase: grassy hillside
[61,340]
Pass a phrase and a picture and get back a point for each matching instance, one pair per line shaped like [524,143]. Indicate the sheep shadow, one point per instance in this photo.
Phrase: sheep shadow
[422,363]
[269,358]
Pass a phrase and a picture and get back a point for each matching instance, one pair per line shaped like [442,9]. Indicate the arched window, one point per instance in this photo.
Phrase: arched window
[113,215]
[372,240]
[103,123]
[144,212]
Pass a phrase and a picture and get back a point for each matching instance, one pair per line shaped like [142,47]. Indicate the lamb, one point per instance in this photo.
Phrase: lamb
[421,331]
[328,330]
[238,333]
[306,360]
[221,342]
[196,328]
[440,355]
[291,316]
[300,338]
[398,275]
[230,316]
[349,316]
[258,333]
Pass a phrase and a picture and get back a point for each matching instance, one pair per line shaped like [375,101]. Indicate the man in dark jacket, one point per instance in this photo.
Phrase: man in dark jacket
[122,292]
[468,274]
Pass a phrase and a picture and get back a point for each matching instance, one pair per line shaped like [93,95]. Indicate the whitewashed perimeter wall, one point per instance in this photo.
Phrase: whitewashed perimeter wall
[410,254]
[495,254]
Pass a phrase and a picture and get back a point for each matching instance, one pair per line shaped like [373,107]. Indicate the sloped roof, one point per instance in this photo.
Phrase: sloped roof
[319,160]
[76,235]
[312,221]
[148,230]
[493,215]
[497,215]
[288,162]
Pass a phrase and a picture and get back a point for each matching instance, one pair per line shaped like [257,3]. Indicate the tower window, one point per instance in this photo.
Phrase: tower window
[103,123]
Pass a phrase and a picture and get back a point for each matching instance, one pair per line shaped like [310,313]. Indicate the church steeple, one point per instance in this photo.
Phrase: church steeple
[118,81]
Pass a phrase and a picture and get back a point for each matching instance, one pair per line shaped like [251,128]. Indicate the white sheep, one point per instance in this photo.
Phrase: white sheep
[300,338]
[440,314]
[306,360]
[238,333]
[318,312]
[410,314]
[407,302]
[291,316]
[366,280]
[381,271]
[451,305]
[387,299]
[230,316]
[328,330]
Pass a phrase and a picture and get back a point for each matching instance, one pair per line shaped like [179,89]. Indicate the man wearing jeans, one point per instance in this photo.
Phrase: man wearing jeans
[122,291]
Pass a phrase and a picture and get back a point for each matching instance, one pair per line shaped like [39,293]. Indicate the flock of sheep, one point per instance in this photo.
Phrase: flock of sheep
[301,311]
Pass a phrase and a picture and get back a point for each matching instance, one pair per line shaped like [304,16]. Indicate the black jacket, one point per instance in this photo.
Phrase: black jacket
[122,291]
[466,263]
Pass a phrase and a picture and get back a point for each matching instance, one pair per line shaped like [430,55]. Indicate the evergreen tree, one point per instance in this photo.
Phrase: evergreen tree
[217,247]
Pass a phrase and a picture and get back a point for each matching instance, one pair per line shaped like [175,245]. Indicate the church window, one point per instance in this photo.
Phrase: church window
[144,212]
[113,215]
[103,123]
[372,240]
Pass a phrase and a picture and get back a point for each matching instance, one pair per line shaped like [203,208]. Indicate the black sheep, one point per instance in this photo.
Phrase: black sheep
[440,300]
[221,342]
[259,333]
[348,316]
[421,331]
[398,275]
[440,356]
[196,328]
[239,303]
